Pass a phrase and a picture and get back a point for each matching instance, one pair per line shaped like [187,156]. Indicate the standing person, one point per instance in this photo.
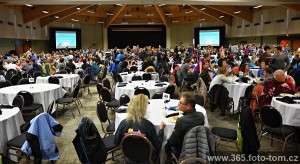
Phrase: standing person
[191,50]
[266,56]
[190,119]
[280,60]
[136,122]
[198,68]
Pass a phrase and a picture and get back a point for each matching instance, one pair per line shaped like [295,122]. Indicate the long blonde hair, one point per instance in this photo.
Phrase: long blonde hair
[137,108]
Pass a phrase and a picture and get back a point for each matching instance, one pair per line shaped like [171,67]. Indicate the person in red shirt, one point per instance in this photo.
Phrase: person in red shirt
[274,87]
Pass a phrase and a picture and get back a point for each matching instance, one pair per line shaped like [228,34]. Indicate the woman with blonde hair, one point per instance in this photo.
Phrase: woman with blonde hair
[136,122]
[221,78]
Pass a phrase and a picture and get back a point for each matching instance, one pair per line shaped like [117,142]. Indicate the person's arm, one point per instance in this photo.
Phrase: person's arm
[226,79]
[200,66]
[174,140]
[119,133]
[288,63]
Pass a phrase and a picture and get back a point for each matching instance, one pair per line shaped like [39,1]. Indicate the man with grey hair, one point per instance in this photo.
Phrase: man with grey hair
[274,87]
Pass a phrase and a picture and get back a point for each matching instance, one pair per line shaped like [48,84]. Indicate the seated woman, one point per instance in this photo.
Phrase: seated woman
[246,70]
[136,122]
[261,70]
[221,78]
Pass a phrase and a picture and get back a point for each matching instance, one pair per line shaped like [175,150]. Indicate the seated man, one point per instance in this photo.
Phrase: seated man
[190,119]
[186,70]
[274,87]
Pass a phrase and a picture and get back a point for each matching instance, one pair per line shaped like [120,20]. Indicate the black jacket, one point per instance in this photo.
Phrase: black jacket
[248,130]
[88,143]
[218,96]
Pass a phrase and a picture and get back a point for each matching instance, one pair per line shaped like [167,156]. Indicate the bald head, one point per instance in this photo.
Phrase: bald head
[279,75]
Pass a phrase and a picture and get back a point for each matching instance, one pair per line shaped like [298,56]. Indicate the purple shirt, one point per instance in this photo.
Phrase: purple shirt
[197,68]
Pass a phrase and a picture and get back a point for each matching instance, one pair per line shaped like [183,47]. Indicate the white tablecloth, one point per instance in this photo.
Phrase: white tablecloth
[10,122]
[236,91]
[127,77]
[42,93]
[156,114]
[254,71]
[129,88]
[290,112]
[68,80]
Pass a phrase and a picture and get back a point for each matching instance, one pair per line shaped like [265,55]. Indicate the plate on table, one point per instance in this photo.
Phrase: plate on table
[173,119]
[286,94]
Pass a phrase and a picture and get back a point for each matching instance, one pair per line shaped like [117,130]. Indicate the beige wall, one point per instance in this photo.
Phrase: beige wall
[176,33]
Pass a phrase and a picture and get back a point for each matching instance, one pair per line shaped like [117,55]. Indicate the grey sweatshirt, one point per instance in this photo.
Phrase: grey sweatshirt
[281,62]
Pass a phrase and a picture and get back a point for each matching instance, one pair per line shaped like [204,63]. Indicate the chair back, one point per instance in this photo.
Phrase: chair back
[170,89]
[147,76]
[150,70]
[10,73]
[270,116]
[164,79]
[14,79]
[199,99]
[53,80]
[142,90]
[136,77]
[36,74]
[133,68]
[28,98]
[62,72]
[248,95]
[126,70]
[68,70]
[178,78]
[99,86]
[101,112]
[76,91]
[18,101]
[136,148]
[157,95]
[105,94]
[24,81]
[106,83]
[87,79]
[5,84]
[124,99]
[119,78]
[50,107]
[80,73]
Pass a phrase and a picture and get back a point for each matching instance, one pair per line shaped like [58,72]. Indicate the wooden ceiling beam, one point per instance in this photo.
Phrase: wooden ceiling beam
[66,13]
[244,13]
[116,13]
[2,3]
[161,13]
[36,13]
[214,14]
[295,7]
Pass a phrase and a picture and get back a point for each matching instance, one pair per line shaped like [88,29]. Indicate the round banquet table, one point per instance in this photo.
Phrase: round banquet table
[42,93]
[130,87]
[10,122]
[128,76]
[254,71]
[290,112]
[68,80]
[236,91]
[156,114]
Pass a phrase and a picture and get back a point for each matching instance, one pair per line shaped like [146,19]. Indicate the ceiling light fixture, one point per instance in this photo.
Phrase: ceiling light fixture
[56,17]
[202,19]
[119,4]
[237,12]
[148,5]
[124,22]
[45,12]
[175,21]
[258,6]
[188,12]
[100,22]
[91,10]
[221,16]
[29,5]
[168,14]
[151,22]
[160,5]
[127,14]
[108,13]
[78,8]
[75,20]
[150,14]
[203,9]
